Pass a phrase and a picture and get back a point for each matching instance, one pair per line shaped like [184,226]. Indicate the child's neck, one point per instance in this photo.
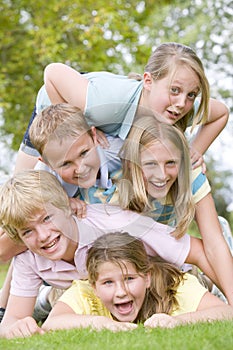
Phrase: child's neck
[73,236]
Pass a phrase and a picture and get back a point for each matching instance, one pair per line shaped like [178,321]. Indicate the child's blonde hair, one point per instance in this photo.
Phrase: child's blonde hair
[57,122]
[119,248]
[25,195]
[164,61]
[132,190]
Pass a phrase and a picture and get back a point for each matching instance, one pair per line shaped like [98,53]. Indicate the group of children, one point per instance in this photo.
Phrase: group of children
[114,189]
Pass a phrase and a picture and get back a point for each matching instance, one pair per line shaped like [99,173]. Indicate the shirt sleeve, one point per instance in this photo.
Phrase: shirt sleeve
[42,100]
[80,297]
[25,282]
[189,295]
[200,185]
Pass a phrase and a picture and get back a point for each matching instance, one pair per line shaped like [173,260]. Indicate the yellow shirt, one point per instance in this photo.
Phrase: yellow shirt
[82,300]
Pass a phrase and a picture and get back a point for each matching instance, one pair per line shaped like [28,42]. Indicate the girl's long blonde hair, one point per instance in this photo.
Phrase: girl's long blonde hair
[119,248]
[132,190]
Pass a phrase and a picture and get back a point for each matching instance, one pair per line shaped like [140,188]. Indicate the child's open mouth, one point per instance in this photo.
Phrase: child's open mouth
[124,308]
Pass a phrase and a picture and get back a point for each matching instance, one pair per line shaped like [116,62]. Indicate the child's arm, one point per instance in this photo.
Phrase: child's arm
[215,247]
[63,317]
[24,161]
[9,248]
[210,308]
[197,257]
[207,133]
[72,89]
[17,320]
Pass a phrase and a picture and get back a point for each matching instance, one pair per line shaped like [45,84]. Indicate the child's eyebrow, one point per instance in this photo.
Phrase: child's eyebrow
[60,164]
[29,224]
[181,83]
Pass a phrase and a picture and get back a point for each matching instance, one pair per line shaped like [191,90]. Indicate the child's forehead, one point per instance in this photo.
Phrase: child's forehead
[123,265]
[70,139]
[159,144]
[180,73]
[57,150]
[39,212]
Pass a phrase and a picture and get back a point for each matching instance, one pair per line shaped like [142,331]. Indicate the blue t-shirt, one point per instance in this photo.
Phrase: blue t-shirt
[111,104]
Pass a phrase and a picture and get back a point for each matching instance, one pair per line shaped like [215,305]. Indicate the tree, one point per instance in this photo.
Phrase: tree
[85,34]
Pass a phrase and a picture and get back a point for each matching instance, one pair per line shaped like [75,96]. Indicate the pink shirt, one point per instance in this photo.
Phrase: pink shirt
[30,269]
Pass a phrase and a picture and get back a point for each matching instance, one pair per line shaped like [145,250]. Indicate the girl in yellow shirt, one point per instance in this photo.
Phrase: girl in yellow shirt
[127,287]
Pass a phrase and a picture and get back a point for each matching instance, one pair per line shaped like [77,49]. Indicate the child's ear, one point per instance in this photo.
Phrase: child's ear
[42,160]
[147,81]
[94,136]
[148,280]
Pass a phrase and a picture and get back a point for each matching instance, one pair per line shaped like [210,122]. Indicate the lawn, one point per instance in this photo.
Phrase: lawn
[196,337]
[209,336]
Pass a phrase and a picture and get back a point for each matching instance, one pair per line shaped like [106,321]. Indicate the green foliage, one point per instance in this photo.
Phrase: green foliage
[85,34]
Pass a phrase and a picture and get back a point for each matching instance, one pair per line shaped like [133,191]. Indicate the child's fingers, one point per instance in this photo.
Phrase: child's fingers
[199,162]
[161,320]
[78,208]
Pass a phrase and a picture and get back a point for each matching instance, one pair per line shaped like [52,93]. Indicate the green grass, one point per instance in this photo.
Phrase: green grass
[3,270]
[213,336]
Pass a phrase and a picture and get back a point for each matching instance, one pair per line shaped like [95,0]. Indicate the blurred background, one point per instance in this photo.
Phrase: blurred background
[117,36]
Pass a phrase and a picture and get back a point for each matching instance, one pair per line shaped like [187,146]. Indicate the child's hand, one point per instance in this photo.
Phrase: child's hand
[197,160]
[161,320]
[101,139]
[114,326]
[78,207]
[21,328]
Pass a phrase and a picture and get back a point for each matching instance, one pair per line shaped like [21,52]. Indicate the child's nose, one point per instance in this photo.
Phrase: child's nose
[120,290]
[42,233]
[78,167]
[180,100]
[161,172]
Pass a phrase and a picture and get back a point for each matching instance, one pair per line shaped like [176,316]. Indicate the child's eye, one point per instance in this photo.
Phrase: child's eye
[174,90]
[129,278]
[107,283]
[192,95]
[171,162]
[65,164]
[84,153]
[47,218]
[26,232]
[149,164]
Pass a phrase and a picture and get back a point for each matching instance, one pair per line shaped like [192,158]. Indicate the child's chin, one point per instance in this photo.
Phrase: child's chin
[121,318]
